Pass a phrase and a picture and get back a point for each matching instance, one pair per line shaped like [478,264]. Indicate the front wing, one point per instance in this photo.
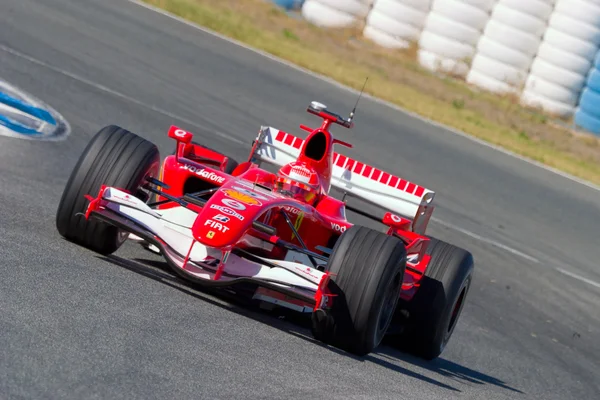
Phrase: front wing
[289,283]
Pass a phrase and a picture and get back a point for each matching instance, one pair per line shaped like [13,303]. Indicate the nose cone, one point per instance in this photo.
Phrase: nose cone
[219,227]
[228,215]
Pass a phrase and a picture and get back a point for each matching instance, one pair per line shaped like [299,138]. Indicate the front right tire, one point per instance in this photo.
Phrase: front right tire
[367,268]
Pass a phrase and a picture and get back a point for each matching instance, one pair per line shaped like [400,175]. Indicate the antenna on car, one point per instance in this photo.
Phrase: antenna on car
[357,100]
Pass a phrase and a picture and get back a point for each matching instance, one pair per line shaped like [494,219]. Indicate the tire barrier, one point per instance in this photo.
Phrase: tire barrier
[587,114]
[396,23]
[335,13]
[451,32]
[541,50]
[509,44]
[558,72]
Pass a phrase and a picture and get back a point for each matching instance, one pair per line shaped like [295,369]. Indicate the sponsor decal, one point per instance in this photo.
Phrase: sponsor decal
[210,234]
[216,225]
[236,205]
[227,211]
[180,133]
[211,176]
[221,218]
[253,193]
[123,197]
[292,210]
[243,197]
[307,271]
[338,227]
[396,218]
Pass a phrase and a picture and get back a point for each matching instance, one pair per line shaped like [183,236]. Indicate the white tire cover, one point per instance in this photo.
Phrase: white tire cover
[540,8]
[512,37]
[508,55]
[564,59]
[443,26]
[434,62]
[445,47]
[482,80]
[576,28]
[398,11]
[582,10]
[393,28]
[383,39]
[534,100]
[461,11]
[499,71]
[570,43]
[552,73]
[485,5]
[421,5]
[324,16]
[358,8]
[519,20]
[552,91]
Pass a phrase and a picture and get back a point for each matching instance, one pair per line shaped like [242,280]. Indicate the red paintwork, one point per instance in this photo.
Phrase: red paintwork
[317,226]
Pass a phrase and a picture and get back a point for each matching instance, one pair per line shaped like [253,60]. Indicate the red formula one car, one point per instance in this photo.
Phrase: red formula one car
[223,224]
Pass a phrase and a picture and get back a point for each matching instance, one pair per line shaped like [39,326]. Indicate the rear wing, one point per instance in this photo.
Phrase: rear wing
[355,178]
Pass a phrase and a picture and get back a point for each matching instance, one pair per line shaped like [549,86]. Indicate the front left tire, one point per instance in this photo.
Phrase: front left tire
[113,157]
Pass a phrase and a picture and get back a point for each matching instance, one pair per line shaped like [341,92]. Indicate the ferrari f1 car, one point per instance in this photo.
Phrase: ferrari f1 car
[280,238]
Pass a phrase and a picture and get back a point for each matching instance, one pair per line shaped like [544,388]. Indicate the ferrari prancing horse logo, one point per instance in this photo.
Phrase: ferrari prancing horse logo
[210,234]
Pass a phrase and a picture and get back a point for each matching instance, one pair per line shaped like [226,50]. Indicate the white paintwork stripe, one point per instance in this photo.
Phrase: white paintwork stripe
[366,95]
[578,277]
[112,92]
[335,160]
[488,241]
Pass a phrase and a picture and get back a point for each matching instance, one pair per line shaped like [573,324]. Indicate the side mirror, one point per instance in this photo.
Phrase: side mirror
[396,221]
[180,135]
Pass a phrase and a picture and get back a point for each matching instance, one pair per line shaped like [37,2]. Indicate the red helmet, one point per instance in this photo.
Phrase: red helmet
[299,181]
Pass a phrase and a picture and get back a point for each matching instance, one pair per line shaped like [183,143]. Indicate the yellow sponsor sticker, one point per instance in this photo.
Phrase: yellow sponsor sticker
[241,197]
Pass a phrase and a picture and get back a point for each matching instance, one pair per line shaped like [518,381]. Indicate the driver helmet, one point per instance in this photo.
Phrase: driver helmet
[299,181]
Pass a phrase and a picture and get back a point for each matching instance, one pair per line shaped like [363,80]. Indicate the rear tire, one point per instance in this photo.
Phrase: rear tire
[368,269]
[113,157]
[435,309]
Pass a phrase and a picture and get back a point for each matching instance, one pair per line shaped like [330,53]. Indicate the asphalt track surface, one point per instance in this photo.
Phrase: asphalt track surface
[74,324]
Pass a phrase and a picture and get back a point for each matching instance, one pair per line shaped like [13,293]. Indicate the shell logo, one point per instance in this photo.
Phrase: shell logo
[241,197]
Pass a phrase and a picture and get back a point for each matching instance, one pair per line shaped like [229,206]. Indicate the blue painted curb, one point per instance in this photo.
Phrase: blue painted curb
[26,108]
[16,127]
[26,117]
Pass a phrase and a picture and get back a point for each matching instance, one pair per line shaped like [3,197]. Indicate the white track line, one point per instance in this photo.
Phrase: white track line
[372,98]
[578,277]
[112,92]
[488,241]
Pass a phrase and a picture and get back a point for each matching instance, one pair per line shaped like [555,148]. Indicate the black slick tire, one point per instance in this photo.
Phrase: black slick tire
[367,268]
[435,309]
[113,157]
